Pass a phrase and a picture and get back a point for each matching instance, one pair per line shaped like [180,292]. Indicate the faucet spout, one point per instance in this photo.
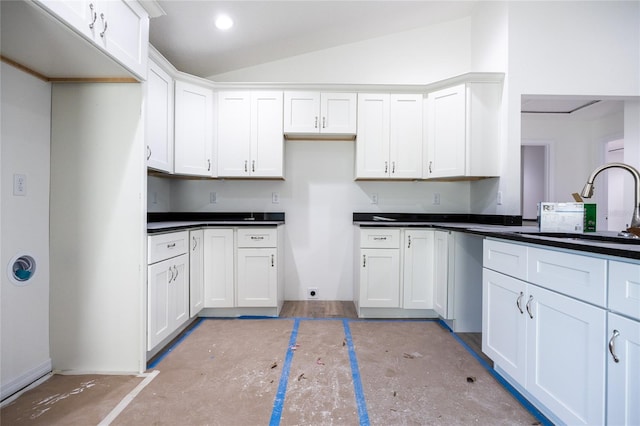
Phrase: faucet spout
[587,191]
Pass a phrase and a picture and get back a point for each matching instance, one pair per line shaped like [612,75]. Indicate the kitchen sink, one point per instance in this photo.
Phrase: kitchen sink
[585,237]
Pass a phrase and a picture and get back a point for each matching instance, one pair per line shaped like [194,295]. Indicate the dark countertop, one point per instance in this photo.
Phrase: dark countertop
[176,221]
[508,228]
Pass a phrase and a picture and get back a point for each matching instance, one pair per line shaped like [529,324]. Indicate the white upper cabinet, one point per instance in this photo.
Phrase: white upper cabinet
[159,119]
[194,130]
[463,138]
[118,27]
[320,113]
[389,142]
[250,139]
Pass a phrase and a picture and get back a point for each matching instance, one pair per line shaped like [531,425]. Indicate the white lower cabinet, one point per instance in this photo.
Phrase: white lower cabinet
[196,272]
[379,271]
[168,288]
[241,268]
[257,284]
[417,277]
[219,277]
[550,344]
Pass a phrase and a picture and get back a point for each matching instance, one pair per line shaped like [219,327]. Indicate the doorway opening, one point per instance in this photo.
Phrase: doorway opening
[535,179]
[616,216]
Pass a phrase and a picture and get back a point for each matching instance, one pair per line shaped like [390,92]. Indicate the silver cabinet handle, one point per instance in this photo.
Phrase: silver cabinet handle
[315,124]
[170,246]
[245,165]
[430,163]
[393,167]
[409,241]
[208,164]
[386,166]
[253,165]
[104,25]
[519,302]
[612,347]
[148,152]
[195,243]
[273,262]
[364,260]
[529,306]
[175,269]
[324,122]
[171,272]
[95,16]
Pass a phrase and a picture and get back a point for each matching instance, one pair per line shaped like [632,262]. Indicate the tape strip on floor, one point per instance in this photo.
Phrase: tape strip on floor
[148,377]
[278,403]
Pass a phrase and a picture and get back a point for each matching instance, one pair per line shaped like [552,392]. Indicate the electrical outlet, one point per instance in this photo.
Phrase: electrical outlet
[374,198]
[275,198]
[312,293]
[436,199]
[213,198]
[19,184]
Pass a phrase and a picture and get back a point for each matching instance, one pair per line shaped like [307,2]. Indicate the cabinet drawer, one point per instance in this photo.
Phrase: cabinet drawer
[582,277]
[624,288]
[379,238]
[257,237]
[166,246]
[507,258]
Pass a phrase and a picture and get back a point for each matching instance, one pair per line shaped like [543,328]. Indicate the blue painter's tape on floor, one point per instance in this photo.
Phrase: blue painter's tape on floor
[278,403]
[363,415]
[508,387]
[174,345]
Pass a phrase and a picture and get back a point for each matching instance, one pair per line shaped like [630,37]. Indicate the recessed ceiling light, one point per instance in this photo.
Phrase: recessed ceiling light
[224,22]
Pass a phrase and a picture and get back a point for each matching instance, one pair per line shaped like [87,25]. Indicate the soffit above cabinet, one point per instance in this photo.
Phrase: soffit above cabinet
[36,41]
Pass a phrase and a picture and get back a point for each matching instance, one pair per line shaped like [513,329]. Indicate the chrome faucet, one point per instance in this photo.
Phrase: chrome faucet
[587,191]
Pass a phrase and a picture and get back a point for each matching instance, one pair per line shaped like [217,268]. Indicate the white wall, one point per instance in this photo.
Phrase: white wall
[318,197]
[25,138]
[98,228]
[567,48]
[419,56]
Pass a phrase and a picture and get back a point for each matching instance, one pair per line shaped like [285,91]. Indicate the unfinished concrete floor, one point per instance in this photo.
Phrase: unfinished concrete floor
[289,371]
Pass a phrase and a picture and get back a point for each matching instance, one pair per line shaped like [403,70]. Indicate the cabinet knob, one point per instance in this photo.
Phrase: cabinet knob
[612,347]
[315,124]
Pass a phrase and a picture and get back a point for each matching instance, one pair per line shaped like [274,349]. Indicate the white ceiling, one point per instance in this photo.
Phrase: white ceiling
[266,31]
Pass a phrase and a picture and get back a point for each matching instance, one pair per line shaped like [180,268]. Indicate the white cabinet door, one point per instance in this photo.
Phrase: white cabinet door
[503,322]
[623,371]
[193,130]
[417,277]
[372,142]
[123,31]
[338,112]
[159,119]
[234,133]
[250,137]
[405,138]
[179,292]
[168,298]
[566,343]
[447,132]
[441,273]
[77,14]
[219,277]
[196,272]
[267,139]
[257,284]
[380,278]
[319,113]
[158,320]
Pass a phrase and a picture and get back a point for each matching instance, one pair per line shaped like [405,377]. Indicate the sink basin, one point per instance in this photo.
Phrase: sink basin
[584,237]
